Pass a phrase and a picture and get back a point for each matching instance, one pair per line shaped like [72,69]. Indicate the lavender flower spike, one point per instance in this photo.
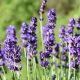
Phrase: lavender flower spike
[42,6]
[12,51]
[24,34]
[32,39]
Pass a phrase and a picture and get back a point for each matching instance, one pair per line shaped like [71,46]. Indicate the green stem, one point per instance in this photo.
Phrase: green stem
[26,63]
[18,75]
[4,73]
[69,68]
[74,71]
[34,69]
[41,25]
[74,74]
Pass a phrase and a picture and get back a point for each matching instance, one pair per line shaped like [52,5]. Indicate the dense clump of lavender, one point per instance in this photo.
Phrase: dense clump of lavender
[73,48]
[12,51]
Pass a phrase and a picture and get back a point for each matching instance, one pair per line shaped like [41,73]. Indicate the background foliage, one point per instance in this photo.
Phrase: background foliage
[14,12]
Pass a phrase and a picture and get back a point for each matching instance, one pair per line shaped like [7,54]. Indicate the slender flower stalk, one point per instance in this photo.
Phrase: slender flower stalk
[41,26]
[41,11]
[69,68]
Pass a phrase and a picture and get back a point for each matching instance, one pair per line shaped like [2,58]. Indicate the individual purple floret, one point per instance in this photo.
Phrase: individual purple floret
[78,24]
[24,34]
[12,51]
[42,6]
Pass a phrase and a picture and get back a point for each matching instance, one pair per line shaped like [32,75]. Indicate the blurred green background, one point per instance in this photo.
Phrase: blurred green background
[14,12]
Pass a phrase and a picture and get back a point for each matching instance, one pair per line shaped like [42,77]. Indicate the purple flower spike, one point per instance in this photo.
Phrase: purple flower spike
[52,18]
[12,51]
[70,26]
[24,34]
[11,33]
[32,39]
[42,6]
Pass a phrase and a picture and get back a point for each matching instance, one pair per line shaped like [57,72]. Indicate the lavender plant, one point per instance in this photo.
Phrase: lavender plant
[12,50]
[56,60]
